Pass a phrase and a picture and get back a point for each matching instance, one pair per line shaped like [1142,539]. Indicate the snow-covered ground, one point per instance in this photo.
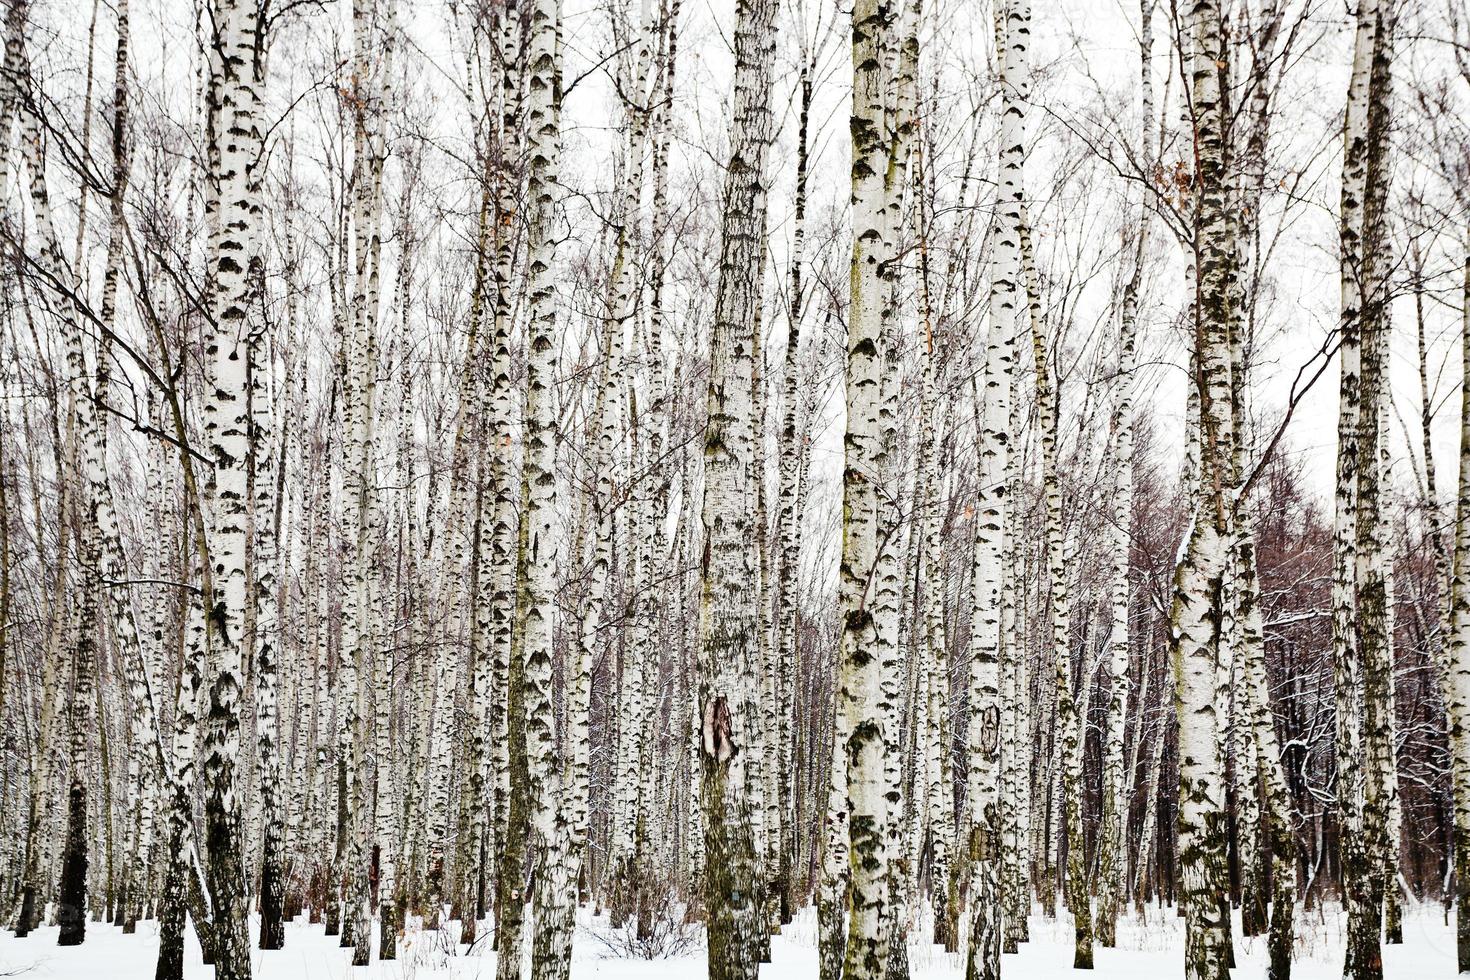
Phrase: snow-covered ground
[1149,949]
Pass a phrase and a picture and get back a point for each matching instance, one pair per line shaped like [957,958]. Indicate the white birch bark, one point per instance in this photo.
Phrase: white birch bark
[1458,684]
[236,139]
[1112,862]
[1007,292]
[1357,597]
[862,656]
[1279,832]
[1070,709]
[553,892]
[789,511]
[728,644]
[1017,747]
[267,649]
[1195,621]
[932,741]
[502,391]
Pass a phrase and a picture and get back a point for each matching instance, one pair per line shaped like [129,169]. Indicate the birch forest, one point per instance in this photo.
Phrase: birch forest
[832,489]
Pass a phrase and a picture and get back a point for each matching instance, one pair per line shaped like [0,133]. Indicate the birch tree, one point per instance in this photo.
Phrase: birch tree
[1459,647]
[1013,28]
[1194,630]
[552,885]
[1358,598]
[301,590]
[728,644]
[1111,860]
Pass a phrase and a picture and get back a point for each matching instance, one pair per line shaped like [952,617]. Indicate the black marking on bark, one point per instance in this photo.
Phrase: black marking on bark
[716,730]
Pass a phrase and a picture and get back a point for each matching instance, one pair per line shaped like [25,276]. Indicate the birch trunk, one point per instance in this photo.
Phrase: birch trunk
[502,393]
[862,655]
[46,758]
[932,740]
[1068,801]
[236,140]
[789,516]
[889,572]
[1358,598]
[1016,749]
[1459,649]
[181,803]
[553,890]
[267,652]
[1279,833]
[78,505]
[1346,663]
[1195,621]
[728,644]
[1375,562]
[71,913]
[1007,293]
[835,883]
[1112,862]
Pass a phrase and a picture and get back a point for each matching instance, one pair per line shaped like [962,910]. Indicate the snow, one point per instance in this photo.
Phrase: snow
[1149,949]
